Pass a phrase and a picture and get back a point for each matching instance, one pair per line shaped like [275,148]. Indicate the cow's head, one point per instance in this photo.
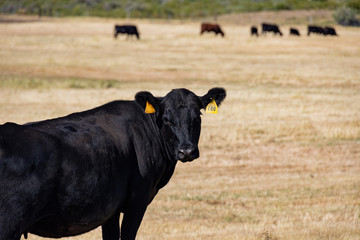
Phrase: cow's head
[222,33]
[178,117]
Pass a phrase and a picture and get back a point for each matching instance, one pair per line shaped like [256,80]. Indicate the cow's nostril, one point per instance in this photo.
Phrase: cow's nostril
[189,151]
[181,155]
[186,153]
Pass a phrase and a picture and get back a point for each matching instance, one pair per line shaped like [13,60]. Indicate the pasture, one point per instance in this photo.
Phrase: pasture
[281,159]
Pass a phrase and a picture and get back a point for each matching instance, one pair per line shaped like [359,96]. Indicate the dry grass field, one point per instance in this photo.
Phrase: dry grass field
[281,159]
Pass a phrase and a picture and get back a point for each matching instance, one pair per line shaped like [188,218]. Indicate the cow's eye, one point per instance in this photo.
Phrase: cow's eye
[168,122]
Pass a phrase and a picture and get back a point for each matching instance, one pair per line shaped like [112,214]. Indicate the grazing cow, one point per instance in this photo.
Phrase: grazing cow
[209,27]
[254,31]
[316,30]
[66,176]
[294,31]
[330,31]
[126,29]
[270,28]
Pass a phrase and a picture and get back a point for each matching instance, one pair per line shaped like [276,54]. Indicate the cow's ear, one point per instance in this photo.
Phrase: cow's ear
[148,102]
[217,94]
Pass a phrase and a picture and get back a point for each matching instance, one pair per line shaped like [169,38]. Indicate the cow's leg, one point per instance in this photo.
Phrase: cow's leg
[111,229]
[132,220]
[134,210]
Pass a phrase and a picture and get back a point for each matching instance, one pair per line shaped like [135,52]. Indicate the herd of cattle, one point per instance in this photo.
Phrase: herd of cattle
[130,30]
[312,29]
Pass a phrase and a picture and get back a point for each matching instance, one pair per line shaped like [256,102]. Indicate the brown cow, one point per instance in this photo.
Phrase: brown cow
[209,27]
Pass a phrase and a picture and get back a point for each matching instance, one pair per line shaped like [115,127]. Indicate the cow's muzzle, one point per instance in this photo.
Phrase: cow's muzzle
[188,154]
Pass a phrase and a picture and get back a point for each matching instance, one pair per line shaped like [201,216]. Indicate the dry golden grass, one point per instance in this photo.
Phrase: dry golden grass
[281,160]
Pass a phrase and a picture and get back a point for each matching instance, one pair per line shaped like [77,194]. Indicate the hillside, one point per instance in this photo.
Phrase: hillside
[166,9]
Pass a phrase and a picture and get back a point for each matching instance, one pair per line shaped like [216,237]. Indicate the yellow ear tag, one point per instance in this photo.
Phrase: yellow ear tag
[149,108]
[211,107]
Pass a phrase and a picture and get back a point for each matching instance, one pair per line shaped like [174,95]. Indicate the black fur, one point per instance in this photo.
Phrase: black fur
[266,27]
[129,30]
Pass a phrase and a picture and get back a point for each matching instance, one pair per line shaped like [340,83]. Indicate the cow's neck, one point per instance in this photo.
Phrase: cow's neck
[166,165]
[166,153]
[165,149]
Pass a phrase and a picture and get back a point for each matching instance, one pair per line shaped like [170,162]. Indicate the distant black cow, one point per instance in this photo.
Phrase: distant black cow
[254,31]
[270,28]
[294,31]
[330,31]
[66,176]
[126,29]
[209,27]
[353,22]
[315,29]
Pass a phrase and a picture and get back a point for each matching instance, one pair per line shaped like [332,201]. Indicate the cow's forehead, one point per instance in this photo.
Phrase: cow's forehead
[180,98]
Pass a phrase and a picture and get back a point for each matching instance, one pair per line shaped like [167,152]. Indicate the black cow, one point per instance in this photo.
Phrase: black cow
[254,31]
[294,31]
[126,29]
[209,27]
[330,31]
[315,29]
[66,176]
[270,28]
